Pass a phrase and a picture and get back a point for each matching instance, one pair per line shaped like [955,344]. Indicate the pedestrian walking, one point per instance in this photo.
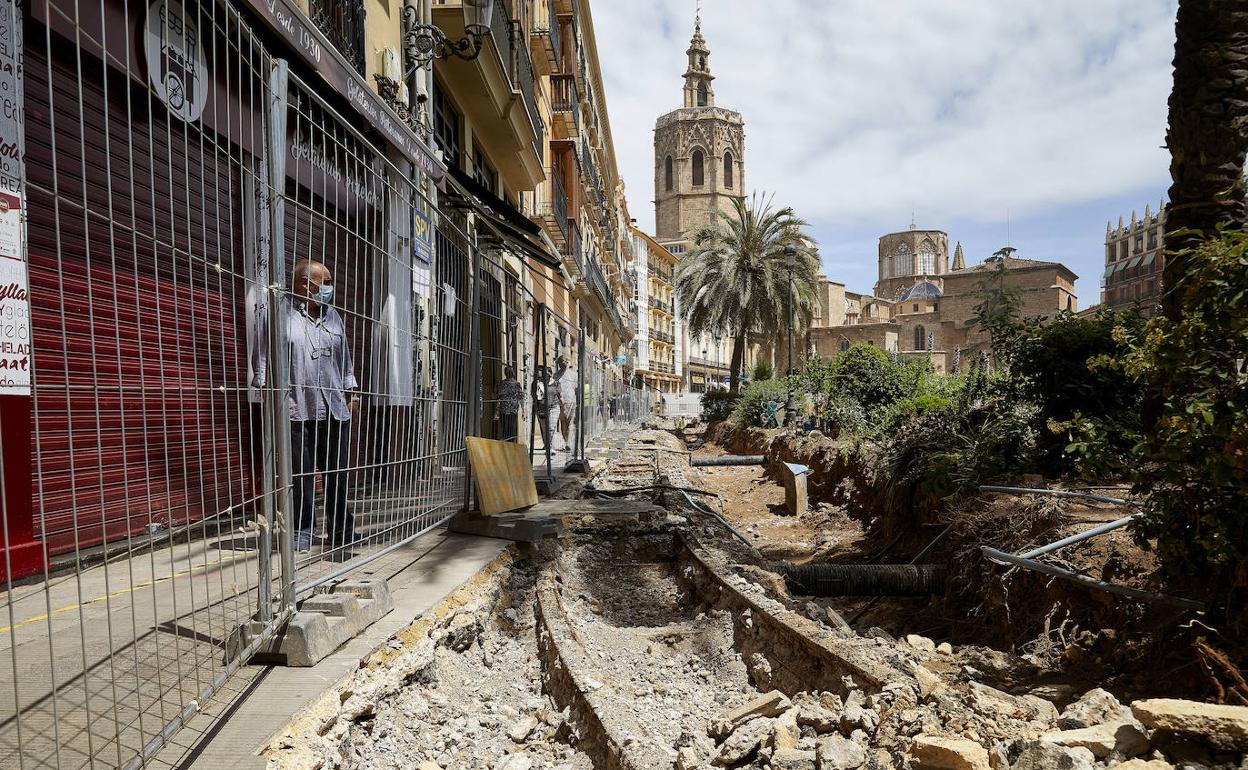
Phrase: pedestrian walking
[510,399]
[565,380]
[542,394]
[321,402]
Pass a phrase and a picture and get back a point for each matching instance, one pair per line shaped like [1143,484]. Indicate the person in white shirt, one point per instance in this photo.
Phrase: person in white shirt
[565,379]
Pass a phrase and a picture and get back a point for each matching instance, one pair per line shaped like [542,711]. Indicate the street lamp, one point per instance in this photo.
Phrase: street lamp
[422,43]
[790,251]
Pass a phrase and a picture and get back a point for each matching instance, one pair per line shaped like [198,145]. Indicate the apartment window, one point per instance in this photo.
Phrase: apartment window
[1109,253]
[1122,249]
[727,169]
[484,172]
[1139,243]
[1152,238]
[699,172]
[667,173]
[446,126]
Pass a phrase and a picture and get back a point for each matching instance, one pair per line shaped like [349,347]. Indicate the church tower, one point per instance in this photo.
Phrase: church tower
[699,152]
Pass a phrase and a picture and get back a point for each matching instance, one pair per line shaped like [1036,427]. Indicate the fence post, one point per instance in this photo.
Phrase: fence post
[475,392]
[278,365]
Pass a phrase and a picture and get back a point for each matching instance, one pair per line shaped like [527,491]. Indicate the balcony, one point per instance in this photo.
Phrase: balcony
[660,305]
[342,21]
[573,259]
[662,366]
[565,103]
[660,272]
[662,337]
[496,93]
[550,207]
[547,40]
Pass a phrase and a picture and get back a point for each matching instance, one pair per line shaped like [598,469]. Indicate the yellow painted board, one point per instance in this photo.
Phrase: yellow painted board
[502,475]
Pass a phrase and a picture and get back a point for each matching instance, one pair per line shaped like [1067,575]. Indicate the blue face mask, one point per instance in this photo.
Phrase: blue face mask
[324,295]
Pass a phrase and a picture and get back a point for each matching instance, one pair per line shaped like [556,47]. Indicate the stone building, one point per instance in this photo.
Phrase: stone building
[1134,257]
[924,304]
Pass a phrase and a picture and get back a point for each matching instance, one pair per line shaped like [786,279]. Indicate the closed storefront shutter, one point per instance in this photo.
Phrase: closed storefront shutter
[141,410]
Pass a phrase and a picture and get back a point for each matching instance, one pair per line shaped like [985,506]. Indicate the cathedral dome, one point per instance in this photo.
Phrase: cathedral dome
[921,291]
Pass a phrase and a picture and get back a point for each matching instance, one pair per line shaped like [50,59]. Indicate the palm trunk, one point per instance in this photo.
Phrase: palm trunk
[738,359]
[1208,131]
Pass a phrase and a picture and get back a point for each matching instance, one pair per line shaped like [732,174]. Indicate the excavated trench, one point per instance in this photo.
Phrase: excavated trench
[655,640]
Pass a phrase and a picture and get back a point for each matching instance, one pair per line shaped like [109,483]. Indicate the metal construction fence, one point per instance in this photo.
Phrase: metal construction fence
[187,483]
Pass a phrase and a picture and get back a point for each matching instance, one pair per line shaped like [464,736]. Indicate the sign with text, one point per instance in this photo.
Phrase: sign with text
[14,296]
[422,236]
[291,23]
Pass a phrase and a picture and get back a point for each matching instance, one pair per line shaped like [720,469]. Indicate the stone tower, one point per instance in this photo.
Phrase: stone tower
[910,257]
[699,152]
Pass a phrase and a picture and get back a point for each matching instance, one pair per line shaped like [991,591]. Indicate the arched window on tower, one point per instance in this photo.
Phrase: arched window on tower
[699,173]
[702,93]
[727,169]
[927,258]
[920,338]
[667,174]
[702,63]
[903,262]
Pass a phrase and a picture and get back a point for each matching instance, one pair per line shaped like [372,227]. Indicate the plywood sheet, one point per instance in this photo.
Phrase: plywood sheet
[502,475]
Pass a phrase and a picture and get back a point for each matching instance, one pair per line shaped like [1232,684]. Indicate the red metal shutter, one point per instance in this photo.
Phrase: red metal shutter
[141,411]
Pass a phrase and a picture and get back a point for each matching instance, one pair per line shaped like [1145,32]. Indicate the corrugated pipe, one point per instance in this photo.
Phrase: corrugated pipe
[862,579]
[720,460]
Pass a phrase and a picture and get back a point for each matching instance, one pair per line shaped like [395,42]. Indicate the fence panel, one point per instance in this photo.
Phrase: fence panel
[148,489]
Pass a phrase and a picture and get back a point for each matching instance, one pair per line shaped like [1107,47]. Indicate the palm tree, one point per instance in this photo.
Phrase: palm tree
[736,279]
[1208,130]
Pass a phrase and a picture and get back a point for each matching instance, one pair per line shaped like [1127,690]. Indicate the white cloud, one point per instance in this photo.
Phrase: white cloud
[857,110]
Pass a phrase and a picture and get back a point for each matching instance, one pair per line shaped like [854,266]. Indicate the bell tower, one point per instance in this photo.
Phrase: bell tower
[699,152]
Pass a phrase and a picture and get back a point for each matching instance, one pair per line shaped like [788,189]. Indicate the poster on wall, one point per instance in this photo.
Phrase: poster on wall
[15,361]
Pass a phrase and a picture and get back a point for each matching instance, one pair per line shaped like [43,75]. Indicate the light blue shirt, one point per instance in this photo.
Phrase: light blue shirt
[321,369]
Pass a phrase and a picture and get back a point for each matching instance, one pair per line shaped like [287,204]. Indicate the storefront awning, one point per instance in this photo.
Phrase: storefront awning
[1133,263]
[512,227]
[1149,259]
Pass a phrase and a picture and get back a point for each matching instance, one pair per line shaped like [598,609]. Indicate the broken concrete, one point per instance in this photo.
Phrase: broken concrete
[1224,727]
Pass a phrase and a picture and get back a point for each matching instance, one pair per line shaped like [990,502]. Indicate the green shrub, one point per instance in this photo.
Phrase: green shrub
[1192,461]
[867,375]
[750,408]
[842,417]
[900,412]
[762,370]
[717,405]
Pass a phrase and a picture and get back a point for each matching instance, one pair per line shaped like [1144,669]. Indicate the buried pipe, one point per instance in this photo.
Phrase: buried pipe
[725,460]
[1009,559]
[1059,493]
[862,579]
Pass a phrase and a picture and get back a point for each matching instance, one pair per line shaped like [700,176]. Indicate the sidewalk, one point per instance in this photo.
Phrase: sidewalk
[230,730]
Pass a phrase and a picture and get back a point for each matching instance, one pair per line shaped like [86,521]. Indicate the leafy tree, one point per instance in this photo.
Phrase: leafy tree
[1000,305]
[736,279]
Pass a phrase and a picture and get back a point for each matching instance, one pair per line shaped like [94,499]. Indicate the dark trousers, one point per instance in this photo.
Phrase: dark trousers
[509,423]
[320,445]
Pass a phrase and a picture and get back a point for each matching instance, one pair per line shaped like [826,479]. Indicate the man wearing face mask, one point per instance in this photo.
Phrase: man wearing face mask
[322,401]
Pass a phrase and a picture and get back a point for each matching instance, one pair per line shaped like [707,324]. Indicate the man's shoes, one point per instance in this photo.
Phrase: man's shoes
[303,542]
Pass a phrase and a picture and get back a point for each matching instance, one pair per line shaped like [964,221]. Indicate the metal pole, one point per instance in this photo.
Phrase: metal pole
[1060,572]
[789,404]
[580,391]
[278,365]
[474,360]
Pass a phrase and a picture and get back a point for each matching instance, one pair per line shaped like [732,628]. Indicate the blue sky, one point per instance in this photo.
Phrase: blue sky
[965,111]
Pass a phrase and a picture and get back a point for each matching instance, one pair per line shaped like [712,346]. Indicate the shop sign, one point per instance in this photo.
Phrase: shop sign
[310,43]
[14,294]
[176,67]
[422,236]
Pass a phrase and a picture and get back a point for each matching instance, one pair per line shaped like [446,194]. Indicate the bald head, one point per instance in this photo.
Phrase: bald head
[309,270]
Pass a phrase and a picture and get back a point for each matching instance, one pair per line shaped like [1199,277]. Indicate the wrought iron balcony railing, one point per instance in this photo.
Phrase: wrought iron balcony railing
[342,21]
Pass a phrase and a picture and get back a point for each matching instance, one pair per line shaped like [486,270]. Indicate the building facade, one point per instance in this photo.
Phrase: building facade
[924,302]
[1135,255]
[659,328]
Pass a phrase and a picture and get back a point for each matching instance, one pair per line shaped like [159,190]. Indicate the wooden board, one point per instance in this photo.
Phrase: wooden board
[501,474]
